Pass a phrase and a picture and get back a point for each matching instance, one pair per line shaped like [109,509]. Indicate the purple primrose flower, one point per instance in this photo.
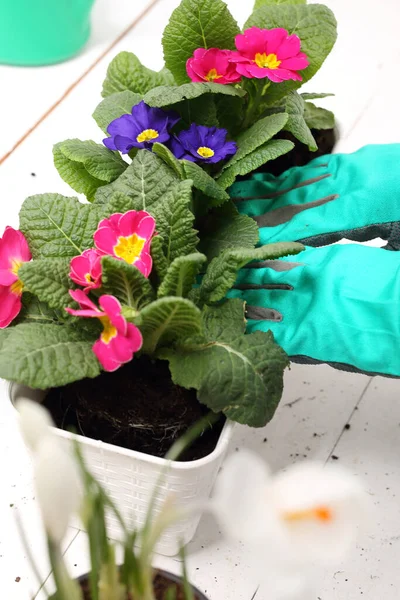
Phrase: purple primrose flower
[140,129]
[202,144]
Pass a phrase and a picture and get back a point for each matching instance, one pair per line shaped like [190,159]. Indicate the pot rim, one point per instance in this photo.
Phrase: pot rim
[17,390]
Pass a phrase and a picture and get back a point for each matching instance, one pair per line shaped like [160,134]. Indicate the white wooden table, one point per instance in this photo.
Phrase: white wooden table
[39,107]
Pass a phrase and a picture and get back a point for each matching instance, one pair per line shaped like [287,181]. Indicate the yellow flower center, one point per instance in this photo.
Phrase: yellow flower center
[212,74]
[319,513]
[109,331]
[17,287]
[267,61]
[88,278]
[147,135]
[129,248]
[205,152]
[15,266]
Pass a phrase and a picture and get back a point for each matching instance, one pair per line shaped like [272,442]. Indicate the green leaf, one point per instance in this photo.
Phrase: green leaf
[293,105]
[269,151]
[260,3]
[257,135]
[43,356]
[175,222]
[203,109]
[34,311]
[49,280]
[56,226]
[160,263]
[315,25]
[224,229]
[166,155]
[118,203]
[167,320]
[317,117]
[229,113]
[240,375]
[86,166]
[169,95]
[181,275]
[205,183]
[196,24]
[115,106]
[126,283]
[312,96]
[126,72]
[222,271]
[145,181]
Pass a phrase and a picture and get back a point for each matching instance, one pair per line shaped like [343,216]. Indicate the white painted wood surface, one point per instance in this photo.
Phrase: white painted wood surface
[318,401]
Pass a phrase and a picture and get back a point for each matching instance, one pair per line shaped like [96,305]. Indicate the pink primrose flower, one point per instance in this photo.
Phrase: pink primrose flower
[85,270]
[14,251]
[212,65]
[119,340]
[271,53]
[127,237]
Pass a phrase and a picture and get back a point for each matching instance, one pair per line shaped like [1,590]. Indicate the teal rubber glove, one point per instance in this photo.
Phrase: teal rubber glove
[338,305]
[354,196]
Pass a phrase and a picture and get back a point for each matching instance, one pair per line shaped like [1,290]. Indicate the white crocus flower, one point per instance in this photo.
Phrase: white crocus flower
[57,480]
[307,515]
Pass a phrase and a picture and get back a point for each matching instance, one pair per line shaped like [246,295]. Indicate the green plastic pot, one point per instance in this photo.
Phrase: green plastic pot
[42,32]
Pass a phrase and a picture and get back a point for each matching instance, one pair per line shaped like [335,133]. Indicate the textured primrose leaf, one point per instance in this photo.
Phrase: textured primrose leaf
[166,320]
[196,24]
[166,155]
[118,203]
[56,226]
[145,181]
[229,113]
[260,3]
[114,106]
[313,96]
[126,72]
[269,151]
[160,263]
[43,356]
[317,117]
[293,105]
[175,220]
[240,375]
[222,270]
[34,311]
[86,166]
[168,95]
[181,275]
[48,279]
[204,108]
[226,228]
[257,135]
[205,183]
[126,283]
[315,25]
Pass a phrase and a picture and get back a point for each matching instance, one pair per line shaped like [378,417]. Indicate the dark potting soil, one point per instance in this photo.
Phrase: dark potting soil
[136,407]
[162,583]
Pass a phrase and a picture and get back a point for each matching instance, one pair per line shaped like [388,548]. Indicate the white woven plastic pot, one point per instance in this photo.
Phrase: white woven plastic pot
[130,477]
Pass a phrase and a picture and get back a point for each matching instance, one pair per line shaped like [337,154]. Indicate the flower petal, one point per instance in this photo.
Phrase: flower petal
[105,356]
[13,246]
[10,306]
[297,63]
[289,47]
[275,38]
[105,239]
[85,303]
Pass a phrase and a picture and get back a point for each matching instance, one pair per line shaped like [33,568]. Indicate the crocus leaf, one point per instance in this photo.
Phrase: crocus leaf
[169,95]
[222,270]
[43,356]
[196,24]
[126,72]
[167,320]
[225,228]
[269,151]
[315,25]
[181,275]
[175,220]
[56,226]
[86,166]
[240,375]
[317,117]
[126,283]
[49,280]
[114,106]
[145,181]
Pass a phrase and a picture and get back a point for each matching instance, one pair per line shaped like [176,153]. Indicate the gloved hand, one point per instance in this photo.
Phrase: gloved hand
[354,196]
[338,304]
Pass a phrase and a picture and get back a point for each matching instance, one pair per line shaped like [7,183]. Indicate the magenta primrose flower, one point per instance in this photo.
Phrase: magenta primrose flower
[212,65]
[271,53]
[14,251]
[202,144]
[140,129]
[85,270]
[127,237]
[119,339]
